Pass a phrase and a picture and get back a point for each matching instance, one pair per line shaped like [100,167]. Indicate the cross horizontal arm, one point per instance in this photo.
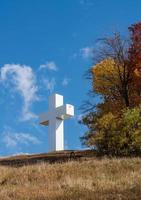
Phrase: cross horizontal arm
[65,111]
[44,119]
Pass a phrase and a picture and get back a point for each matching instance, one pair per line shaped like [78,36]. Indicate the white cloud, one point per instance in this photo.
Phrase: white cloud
[49,84]
[24,81]
[65,81]
[86,52]
[9,141]
[13,139]
[26,138]
[49,65]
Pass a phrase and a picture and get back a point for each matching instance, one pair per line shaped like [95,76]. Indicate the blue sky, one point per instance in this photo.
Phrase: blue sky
[45,48]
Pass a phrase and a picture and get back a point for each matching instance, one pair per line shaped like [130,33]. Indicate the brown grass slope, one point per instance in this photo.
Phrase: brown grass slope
[91,179]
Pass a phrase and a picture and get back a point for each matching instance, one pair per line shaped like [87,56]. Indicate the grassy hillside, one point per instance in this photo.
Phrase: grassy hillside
[78,180]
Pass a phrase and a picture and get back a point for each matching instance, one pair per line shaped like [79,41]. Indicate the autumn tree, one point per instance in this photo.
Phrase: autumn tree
[119,66]
[134,54]
[116,78]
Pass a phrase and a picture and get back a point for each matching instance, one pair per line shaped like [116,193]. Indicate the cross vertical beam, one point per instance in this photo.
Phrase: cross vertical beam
[56,126]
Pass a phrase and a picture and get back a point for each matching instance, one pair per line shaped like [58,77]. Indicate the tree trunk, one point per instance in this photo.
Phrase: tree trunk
[126,96]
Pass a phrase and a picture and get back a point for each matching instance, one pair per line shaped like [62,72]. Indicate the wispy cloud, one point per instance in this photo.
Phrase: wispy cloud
[65,81]
[9,141]
[86,52]
[23,80]
[14,139]
[49,84]
[51,65]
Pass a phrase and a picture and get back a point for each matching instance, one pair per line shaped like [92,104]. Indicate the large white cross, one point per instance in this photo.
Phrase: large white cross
[54,118]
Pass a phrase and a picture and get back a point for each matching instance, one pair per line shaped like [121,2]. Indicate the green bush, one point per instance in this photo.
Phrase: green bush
[114,135]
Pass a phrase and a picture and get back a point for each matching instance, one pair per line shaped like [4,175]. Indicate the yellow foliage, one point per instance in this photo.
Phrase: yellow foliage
[106,76]
[105,121]
[137,72]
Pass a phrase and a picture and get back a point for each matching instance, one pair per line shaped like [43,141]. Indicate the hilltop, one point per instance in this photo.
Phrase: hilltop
[51,157]
[86,179]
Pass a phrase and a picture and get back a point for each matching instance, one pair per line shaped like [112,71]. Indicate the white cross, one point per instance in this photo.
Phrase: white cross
[54,118]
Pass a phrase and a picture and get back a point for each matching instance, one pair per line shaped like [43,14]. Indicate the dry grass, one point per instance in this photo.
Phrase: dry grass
[90,180]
